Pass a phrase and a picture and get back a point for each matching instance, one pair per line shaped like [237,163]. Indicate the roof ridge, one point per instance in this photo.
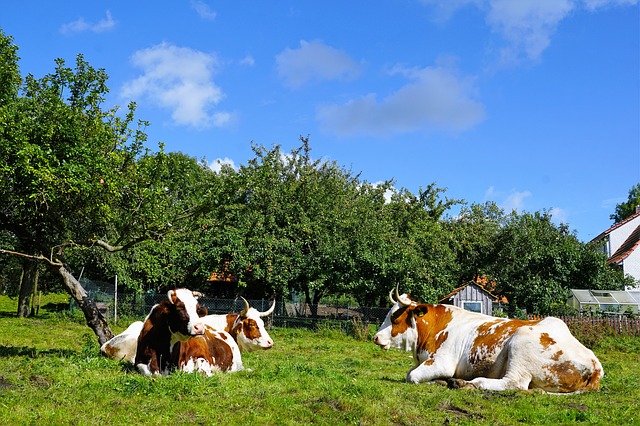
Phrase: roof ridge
[616,226]
[627,247]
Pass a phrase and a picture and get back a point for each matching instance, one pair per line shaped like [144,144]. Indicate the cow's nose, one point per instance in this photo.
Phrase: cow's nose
[375,339]
[197,329]
[268,344]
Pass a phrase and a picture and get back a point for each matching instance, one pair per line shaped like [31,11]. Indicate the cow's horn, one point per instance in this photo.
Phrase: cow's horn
[246,307]
[270,310]
[405,301]
[393,302]
[197,294]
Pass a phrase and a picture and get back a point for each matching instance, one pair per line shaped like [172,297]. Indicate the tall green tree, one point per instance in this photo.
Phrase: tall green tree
[627,208]
[73,175]
[536,262]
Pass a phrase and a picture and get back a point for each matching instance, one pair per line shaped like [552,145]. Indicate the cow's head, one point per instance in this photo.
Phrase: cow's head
[249,330]
[183,319]
[398,329]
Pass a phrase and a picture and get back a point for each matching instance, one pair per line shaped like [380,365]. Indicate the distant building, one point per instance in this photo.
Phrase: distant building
[621,245]
[475,296]
[609,301]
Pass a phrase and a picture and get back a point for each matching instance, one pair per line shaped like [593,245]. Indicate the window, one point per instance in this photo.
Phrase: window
[472,306]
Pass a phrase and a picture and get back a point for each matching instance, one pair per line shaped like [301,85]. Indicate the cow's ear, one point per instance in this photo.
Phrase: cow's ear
[420,310]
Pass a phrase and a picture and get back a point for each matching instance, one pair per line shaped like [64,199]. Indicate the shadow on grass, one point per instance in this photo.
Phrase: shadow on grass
[33,352]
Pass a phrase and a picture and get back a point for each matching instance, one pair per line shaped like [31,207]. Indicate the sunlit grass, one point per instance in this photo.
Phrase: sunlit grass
[51,373]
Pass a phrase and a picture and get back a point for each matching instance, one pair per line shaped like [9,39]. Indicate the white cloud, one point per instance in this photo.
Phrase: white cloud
[527,26]
[433,98]
[593,5]
[181,80]
[314,61]
[216,165]
[559,216]
[80,25]
[203,10]
[248,60]
[514,201]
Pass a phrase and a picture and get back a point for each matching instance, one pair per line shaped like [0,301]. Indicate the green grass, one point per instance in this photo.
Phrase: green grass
[51,372]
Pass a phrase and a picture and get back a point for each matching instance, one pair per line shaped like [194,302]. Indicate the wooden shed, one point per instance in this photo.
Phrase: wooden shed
[474,297]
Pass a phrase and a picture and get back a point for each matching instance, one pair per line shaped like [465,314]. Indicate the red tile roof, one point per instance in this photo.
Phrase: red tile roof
[629,245]
[616,226]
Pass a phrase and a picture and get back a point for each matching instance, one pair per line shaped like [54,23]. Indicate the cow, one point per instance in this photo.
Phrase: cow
[172,320]
[214,351]
[123,346]
[474,350]
[246,328]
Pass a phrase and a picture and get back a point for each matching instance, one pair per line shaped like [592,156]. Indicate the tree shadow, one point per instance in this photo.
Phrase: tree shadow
[34,352]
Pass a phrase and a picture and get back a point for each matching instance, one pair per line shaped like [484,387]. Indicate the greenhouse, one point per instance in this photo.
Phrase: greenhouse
[614,302]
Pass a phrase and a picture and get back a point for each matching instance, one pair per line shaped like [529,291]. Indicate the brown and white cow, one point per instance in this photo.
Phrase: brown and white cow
[172,320]
[488,352]
[214,351]
[123,346]
[247,327]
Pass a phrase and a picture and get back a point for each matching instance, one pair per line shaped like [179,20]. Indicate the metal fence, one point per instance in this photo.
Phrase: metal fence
[286,314]
[301,315]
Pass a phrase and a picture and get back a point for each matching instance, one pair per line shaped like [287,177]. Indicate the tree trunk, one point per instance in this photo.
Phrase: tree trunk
[27,286]
[95,320]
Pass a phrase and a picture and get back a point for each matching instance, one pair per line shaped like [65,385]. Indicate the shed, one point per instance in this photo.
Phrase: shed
[611,301]
[474,297]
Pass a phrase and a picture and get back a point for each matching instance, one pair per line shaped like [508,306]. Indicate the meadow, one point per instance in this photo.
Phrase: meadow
[51,372]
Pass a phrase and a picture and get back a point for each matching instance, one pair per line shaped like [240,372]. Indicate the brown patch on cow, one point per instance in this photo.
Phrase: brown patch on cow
[210,346]
[557,355]
[231,319]
[571,379]
[431,322]
[546,341]
[401,320]
[491,337]
[251,329]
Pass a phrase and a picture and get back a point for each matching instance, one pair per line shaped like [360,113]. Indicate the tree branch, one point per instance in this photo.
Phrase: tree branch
[33,257]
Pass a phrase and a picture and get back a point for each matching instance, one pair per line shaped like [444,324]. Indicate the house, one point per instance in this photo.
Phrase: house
[609,301]
[475,296]
[621,244]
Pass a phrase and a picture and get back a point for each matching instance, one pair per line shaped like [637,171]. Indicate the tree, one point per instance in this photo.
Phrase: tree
[626,209]
[535,263]
[74,177]
[474,232]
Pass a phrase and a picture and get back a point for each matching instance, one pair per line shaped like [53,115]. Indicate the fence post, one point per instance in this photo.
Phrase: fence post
[115,301]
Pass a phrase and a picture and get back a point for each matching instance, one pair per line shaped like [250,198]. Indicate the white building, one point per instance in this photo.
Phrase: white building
[622,245]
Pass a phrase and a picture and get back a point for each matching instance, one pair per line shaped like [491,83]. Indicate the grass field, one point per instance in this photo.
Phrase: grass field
[51,373]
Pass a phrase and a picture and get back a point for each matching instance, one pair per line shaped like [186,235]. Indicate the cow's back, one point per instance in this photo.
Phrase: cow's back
[123,346]
[215,351]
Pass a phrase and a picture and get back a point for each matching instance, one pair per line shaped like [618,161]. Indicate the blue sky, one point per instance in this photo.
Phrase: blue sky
[533,104]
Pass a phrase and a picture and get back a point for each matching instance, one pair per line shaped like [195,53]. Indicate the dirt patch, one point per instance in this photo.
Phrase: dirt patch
[458,412]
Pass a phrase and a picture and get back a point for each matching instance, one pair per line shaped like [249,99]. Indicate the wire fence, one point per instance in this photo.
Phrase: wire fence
[301,315]
[285,314]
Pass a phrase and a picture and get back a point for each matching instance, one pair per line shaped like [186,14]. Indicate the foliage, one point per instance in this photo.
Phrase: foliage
[627,208]
[535,262]
[308,377]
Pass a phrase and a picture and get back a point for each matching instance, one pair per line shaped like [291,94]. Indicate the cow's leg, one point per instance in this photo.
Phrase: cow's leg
[521,354]
[429,371]
[520,383]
